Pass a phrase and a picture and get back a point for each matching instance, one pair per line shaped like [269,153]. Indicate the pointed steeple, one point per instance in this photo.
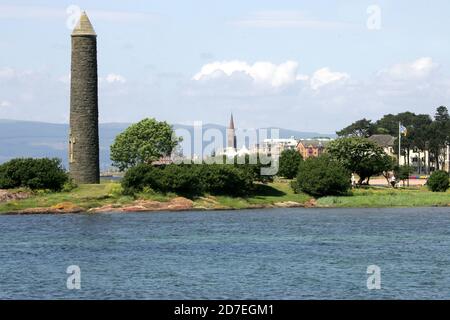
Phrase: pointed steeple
[83,26]
[231,126]
[231,136]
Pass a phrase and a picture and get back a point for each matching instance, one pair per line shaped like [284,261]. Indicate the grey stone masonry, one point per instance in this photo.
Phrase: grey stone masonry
[83,137]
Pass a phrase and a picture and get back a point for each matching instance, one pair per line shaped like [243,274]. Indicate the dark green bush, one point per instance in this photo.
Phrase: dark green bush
[181,179]
[322,176]
[32,173]
[438,181]
[135,178]
[253,166]
[227,179]
[189,179]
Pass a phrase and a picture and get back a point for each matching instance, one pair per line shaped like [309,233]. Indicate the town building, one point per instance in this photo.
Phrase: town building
[275,147]
[312,147]
[385,141]
[419,160]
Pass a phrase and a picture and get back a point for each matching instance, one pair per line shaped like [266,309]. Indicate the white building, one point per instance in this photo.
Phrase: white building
[275,147]
[419,160]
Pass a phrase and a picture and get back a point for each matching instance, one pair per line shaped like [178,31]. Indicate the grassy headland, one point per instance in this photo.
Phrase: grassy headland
[276,194]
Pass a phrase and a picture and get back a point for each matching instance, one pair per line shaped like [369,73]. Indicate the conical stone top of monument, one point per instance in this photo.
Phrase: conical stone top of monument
[84,26]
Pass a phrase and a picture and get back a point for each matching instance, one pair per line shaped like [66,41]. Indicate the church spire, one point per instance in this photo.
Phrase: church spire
[231,126]
[231,135]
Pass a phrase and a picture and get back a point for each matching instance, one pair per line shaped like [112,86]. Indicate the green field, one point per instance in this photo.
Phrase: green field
[380,197]
[269,195]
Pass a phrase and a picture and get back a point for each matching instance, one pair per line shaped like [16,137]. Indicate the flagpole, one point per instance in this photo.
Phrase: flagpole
[399,142]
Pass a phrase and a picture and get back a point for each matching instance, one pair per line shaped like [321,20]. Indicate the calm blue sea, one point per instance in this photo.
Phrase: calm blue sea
[253,254]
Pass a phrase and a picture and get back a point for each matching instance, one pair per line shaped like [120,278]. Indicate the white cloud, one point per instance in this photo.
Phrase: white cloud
[5,104]
[286,19]
[7,73]
[417,69]
[325,76]
[260,93]
[267,74]
[113,77]
[261,72]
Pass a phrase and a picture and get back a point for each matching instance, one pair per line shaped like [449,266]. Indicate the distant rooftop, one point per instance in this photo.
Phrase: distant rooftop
[314,142]
[383,140]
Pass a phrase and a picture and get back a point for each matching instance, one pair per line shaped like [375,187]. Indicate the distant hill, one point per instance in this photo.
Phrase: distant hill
[41,139]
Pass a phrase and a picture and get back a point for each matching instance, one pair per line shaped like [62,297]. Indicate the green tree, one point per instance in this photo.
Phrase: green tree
[143,142]
[361,128]
[322,176]
[361,156]
[388,124]
[418,134]
[439,135]
[288,163]
[402,173]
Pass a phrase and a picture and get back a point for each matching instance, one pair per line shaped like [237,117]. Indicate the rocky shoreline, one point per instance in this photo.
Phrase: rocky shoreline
[6,195]
[175,204]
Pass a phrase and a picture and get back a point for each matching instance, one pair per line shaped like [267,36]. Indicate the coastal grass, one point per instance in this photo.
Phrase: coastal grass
[265,195]
[89,196]
[86,196]
[382,197]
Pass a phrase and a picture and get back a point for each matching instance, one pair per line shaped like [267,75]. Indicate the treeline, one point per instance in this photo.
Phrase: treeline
[424,134]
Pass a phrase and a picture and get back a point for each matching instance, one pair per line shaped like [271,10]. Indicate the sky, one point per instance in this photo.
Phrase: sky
[301,65]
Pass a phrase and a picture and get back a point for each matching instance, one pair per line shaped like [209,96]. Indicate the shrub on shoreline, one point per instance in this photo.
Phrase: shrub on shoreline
[321,177]
[189,179]
[438,181]
[32,173]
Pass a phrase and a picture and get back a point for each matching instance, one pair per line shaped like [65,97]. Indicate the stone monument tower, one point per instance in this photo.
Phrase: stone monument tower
[83,137]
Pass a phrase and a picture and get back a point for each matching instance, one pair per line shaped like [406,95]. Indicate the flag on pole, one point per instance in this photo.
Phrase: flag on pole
[403,130]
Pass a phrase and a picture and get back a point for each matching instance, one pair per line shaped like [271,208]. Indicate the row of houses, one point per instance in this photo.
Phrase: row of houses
[419,160]
[306,147]
[274,147]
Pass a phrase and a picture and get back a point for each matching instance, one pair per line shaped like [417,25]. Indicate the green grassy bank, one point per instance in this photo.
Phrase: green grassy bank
[381,197]
[270,195]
